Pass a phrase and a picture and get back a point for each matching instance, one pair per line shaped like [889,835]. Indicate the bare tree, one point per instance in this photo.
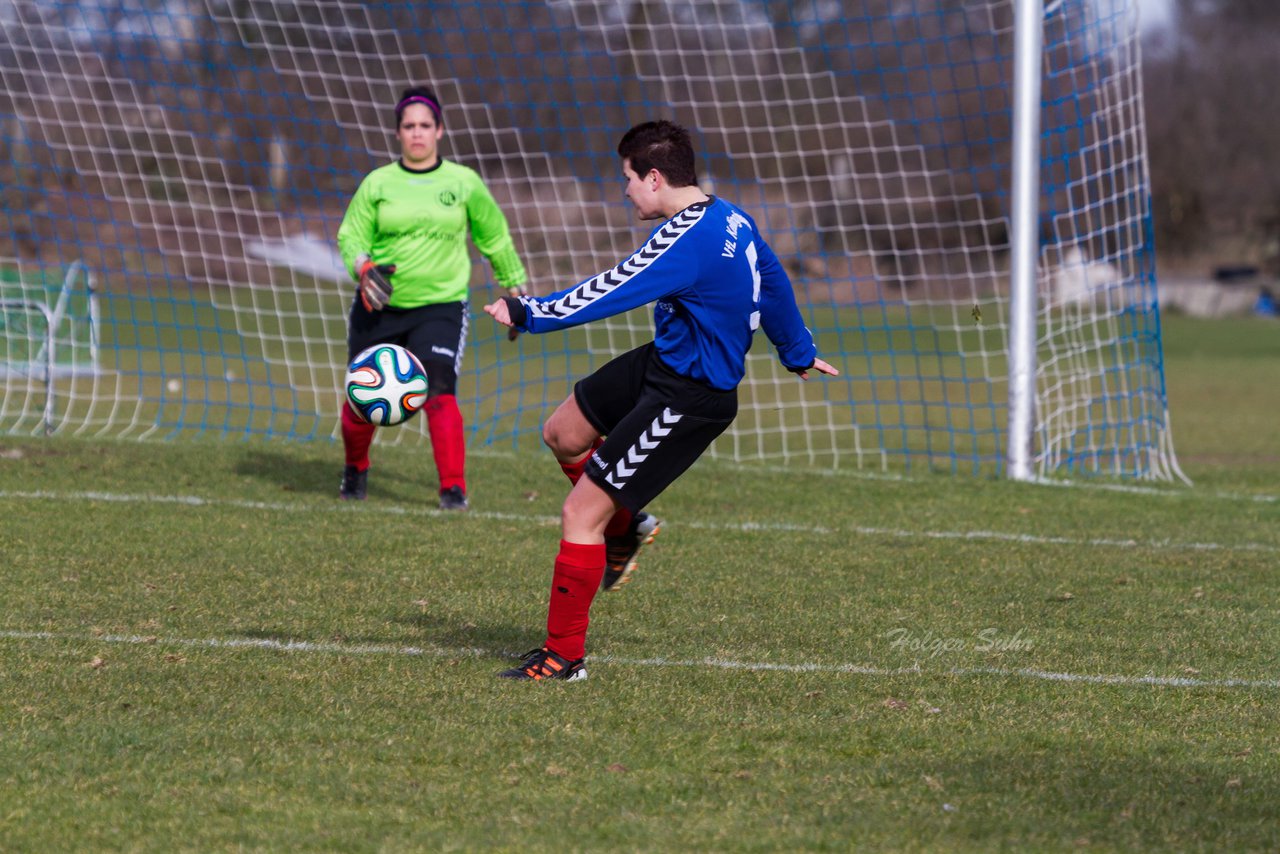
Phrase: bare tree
[1213,114]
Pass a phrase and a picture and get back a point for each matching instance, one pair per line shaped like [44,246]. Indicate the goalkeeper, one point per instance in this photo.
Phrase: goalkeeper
[404,240]
[714,280]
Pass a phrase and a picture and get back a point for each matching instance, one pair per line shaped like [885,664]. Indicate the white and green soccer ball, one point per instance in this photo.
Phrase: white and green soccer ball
[386,385]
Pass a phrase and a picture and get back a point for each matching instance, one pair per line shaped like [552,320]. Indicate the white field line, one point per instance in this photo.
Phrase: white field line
[863,530]
[705,663]
[871,474]
[1170,492]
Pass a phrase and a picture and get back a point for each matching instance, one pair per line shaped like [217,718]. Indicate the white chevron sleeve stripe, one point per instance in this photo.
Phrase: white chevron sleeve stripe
[605,283]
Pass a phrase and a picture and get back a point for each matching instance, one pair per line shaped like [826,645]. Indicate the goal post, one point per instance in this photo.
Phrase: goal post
[1024,234]
[198,157]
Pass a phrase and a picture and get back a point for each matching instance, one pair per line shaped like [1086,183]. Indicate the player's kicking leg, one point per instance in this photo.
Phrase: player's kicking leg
[573,437]
[623,550]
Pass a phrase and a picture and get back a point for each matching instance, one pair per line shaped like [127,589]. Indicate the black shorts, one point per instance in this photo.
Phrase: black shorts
[436,334]
[656,423]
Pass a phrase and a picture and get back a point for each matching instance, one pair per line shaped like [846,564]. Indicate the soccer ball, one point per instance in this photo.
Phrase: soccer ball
[386,385]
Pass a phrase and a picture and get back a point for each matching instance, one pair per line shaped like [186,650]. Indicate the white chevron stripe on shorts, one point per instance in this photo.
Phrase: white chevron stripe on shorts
[639,452]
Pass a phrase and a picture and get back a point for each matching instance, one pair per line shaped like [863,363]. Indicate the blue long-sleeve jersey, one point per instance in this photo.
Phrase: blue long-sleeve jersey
[714,279]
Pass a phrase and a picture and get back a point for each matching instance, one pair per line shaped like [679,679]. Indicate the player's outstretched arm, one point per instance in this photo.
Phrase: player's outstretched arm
[819,366]
[499,312]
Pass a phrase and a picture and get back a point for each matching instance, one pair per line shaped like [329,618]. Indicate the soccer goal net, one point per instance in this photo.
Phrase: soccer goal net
[196,157]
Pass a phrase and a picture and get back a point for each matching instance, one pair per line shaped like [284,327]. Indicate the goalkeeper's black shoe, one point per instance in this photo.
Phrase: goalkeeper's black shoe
[545,664]
[453,498]
[621,552]
[355,484]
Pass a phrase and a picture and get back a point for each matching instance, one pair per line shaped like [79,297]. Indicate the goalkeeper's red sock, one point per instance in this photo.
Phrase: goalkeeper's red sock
[448,442]
[357,435]
[574,470]
[579,569]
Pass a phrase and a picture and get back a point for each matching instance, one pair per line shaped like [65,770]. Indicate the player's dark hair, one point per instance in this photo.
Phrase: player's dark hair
[661,145]
[420,95]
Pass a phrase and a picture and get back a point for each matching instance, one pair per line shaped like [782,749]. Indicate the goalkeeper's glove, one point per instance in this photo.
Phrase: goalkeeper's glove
[517,291]
[375,284]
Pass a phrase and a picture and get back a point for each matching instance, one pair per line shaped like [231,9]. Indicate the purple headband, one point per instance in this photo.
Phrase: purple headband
[420,99]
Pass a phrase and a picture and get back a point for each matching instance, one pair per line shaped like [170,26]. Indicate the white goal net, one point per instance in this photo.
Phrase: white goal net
[175,172]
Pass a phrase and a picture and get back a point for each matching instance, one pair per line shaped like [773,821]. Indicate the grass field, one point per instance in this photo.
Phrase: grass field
[201,649]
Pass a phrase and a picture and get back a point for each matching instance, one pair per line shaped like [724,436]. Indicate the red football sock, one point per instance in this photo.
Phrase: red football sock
[579,569]
[357,435]
[573,471]
[448,443]
[619,523]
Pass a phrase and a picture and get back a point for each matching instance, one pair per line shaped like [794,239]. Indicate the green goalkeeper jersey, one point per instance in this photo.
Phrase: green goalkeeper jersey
[419,222]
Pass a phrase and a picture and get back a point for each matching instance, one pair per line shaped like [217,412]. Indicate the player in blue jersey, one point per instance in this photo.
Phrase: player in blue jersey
[639,422]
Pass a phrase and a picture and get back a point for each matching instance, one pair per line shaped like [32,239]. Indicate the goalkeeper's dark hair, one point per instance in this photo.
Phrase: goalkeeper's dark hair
[420,95]
[661,145]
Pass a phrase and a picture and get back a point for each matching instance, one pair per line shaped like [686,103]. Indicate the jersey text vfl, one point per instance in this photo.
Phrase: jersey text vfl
[713,280]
